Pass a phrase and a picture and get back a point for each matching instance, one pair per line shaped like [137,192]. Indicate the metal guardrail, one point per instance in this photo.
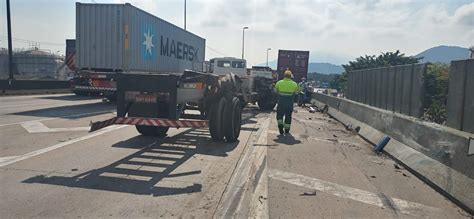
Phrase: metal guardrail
[32,85]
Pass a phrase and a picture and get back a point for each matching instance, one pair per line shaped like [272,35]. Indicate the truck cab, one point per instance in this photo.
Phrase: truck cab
[226,65]
[257,83]
[262,71]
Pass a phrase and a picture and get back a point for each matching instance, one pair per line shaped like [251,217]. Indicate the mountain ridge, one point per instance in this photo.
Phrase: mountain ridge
[438,54]
[444,54]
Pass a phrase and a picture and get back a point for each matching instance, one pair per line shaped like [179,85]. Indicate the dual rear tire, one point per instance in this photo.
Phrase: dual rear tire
[225,119]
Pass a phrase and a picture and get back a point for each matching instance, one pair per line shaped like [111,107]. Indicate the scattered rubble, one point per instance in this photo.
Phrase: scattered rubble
[378,162]
[260,198]
[396,166]
[313,193]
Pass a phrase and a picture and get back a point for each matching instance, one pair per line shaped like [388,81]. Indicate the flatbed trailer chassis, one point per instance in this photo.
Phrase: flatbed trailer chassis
[156,102]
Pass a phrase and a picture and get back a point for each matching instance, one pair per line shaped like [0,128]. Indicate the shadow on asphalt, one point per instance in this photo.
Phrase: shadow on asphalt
[68,111]
[71,97]
[139,172]
[287,139]
[155,160]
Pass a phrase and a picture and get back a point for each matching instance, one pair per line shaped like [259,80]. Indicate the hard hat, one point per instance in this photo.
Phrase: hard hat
[288,74]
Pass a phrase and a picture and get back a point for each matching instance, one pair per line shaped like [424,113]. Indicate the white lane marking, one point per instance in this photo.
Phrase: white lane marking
[38,127]
[66,116]
[30,104]
[56,146]
[4,159]
[370,198]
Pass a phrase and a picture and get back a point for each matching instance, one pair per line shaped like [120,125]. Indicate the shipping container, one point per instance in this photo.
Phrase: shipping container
[123,38]
[296,61]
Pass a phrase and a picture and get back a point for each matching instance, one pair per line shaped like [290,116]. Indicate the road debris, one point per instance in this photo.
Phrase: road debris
[396,166]
[311,109]
[373,177]
[313,193]
[260,198]
[405,175]
[378,162]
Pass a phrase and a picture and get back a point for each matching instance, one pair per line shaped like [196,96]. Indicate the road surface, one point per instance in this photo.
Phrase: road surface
[51,166]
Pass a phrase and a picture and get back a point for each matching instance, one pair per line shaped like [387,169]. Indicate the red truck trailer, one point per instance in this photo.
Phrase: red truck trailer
[296,61]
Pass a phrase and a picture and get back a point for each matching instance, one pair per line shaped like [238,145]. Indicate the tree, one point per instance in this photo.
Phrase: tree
[383,60]
[436,92]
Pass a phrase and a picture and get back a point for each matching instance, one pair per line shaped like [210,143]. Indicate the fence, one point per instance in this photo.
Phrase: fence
[398,89]
[461,96]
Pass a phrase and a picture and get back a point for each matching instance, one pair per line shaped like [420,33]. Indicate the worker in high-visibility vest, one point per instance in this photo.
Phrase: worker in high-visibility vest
[286,89]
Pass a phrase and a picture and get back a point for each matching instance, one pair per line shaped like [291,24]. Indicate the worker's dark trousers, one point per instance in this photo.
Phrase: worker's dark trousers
[284,109]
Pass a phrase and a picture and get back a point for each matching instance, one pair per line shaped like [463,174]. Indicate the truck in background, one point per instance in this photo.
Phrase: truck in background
[264,84]
[257,84]
[86,82]
[296,61]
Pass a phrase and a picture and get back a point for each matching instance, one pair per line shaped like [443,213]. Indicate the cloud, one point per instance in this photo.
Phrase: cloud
[464,15]
[328,28]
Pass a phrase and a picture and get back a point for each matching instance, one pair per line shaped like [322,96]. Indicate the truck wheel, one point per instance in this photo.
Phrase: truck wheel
[233,120]
[216,113]
[157,131]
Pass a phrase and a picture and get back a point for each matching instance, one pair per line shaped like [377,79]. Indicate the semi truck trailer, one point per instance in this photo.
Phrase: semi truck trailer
[157,67]
[296,61]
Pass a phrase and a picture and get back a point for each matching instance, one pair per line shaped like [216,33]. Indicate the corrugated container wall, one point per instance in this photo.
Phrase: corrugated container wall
[121,37]
[296,61]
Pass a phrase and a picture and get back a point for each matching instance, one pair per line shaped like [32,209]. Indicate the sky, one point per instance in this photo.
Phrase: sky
[334,31]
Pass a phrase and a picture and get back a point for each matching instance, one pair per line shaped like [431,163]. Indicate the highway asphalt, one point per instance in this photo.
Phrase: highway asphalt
[51,166]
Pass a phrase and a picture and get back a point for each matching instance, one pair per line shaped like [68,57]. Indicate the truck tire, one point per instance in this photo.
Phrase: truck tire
[149,112]
[216,113]
[157,131]
[233,120]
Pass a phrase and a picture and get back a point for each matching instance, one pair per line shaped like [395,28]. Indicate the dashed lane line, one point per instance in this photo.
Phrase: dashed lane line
[56,146]
[403,206]
[38,127]
[66,116]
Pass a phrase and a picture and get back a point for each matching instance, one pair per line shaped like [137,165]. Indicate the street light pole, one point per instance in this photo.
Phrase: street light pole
[10,47]
[267,54]
[243,40]
[184,14]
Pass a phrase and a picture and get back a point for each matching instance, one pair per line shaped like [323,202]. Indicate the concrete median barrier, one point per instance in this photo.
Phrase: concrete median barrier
[436,153]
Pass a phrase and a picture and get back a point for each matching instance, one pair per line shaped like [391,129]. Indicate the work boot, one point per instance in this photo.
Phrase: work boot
[287,131]
[281,130]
